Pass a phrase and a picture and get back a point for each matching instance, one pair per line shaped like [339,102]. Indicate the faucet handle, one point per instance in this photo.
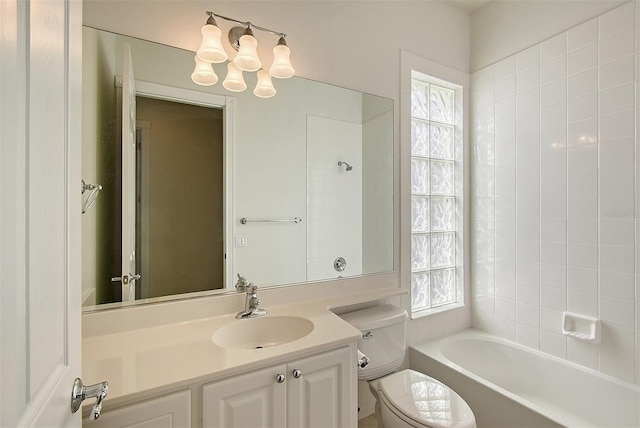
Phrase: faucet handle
[251,288]
[241,284]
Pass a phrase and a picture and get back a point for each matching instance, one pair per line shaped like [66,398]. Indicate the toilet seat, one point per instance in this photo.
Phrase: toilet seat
[423,401]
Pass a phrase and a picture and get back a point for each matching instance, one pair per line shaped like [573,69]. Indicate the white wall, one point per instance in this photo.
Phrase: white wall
[555,205]
[334,197]
[504,27]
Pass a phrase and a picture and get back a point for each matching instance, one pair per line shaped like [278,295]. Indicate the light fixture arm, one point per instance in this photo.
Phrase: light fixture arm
[247,24]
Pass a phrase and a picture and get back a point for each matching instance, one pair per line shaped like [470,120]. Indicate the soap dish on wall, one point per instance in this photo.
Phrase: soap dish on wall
[581,327]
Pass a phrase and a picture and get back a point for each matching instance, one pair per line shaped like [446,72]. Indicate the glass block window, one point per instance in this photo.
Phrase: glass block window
[436,171]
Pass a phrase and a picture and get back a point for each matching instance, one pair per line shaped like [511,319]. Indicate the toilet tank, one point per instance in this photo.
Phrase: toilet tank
[383,338]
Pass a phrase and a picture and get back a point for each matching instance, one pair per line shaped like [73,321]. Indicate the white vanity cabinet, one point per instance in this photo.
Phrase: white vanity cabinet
[168,411]
[315,391]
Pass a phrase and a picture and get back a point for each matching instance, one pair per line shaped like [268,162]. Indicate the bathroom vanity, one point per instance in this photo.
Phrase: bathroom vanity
[294,367]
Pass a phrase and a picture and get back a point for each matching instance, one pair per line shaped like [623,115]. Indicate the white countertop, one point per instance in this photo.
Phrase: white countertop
[153,359]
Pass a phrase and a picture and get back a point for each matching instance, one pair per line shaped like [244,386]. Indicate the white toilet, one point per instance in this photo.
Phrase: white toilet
[406,398]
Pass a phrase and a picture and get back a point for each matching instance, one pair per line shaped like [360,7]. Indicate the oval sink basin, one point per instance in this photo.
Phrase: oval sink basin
[262,332]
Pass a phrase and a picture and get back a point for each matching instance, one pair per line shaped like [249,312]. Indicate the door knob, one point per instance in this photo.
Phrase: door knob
[297,373]
[125,279]
[279,378]
[81,392]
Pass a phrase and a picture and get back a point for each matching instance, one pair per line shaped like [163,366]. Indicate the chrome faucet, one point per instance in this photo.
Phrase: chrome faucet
[251,302]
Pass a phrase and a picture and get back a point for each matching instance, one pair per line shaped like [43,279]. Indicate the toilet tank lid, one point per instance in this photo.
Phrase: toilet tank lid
[376,317]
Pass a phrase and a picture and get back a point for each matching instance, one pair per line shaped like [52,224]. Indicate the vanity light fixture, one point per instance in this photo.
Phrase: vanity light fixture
[241,39]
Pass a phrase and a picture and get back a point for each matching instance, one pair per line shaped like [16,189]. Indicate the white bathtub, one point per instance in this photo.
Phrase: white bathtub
[508,385]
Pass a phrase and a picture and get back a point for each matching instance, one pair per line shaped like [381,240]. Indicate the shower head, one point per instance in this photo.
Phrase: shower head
[348,167]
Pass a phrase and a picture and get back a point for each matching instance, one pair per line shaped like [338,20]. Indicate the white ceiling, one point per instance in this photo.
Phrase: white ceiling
[470,5]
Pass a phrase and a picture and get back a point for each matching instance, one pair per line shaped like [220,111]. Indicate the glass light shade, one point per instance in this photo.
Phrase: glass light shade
[264,87]
[247,58]
[281,67]
[211,49]
[203,73]
[234,80]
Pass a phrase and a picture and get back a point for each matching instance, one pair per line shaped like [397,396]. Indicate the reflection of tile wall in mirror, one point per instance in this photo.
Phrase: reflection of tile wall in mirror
[268,172]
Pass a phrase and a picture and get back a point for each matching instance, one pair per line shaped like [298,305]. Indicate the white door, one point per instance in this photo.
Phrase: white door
[254,400]
[128,177]
[40,120]
[321,391]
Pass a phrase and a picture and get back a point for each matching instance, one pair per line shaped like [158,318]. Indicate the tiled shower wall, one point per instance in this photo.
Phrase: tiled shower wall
[555,209]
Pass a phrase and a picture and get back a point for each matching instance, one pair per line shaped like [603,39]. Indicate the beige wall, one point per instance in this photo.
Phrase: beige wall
[502,28]
[185,239]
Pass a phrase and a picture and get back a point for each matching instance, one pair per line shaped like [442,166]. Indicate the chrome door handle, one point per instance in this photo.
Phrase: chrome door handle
[280,378]
[125,279]
[80,392]
[297,373]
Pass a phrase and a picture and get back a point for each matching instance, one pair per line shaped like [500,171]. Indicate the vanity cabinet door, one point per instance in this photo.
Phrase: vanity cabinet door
[169,411]
[321,390]
[255,399]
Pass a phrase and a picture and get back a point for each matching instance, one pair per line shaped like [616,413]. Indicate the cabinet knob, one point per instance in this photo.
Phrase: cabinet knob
[296,373]
[279,378]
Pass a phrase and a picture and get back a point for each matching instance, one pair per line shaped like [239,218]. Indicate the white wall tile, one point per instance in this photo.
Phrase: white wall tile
[582,280]
[582,303]
[582,255]
[552,275]
[505,309]
[528,100]
[617,46]
[553,298]
[582,84]
[582,180]
[553,206]
[553,93]
[582,205]
[617,285]
[617,152]
[616,311]
[582,35]
[528,272]
[505,87]
[565,157]
[617,99]
[582,59]
[553,47]
[617,204]
[582,231]
[583,353]
[505,328]
[505,68]
[553,116]
[528,336]
[617,258]
[619,19]
[528,58]
[582,158]
[528,79]
[617,231]
[553,252]
[616,73]
[554,344]
[581,108]
[582,132]
[553,70]
[617,126]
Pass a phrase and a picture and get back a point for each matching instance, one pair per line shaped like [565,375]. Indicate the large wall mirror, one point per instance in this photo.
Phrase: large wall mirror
[208,184]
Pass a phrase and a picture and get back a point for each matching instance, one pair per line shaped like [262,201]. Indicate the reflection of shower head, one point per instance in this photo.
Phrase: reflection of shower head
[348,167]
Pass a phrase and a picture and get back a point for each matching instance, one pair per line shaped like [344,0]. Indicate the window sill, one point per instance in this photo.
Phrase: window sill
[436,310]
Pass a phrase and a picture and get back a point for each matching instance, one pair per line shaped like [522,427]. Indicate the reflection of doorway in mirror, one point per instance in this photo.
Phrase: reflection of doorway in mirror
[180,171]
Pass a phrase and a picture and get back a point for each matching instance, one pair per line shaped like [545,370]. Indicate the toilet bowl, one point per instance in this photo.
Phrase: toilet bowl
[405,398]
[412,399]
